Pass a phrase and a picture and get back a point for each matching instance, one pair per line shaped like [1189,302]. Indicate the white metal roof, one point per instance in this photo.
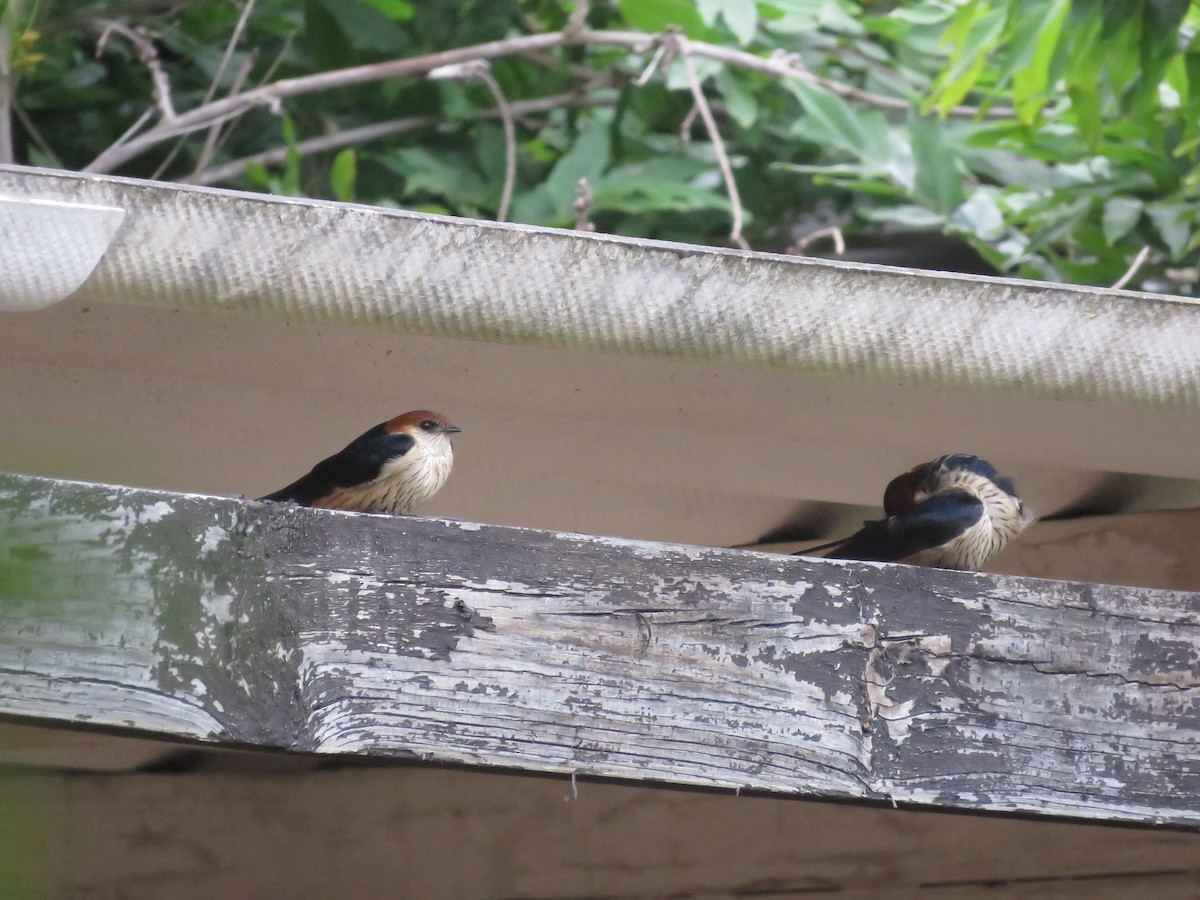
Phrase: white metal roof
[604,384]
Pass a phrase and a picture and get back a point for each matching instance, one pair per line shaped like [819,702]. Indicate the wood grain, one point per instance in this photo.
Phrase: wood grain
[415,831]
[257,624]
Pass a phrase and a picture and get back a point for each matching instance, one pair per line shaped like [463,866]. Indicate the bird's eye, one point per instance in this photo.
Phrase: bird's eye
[429,425]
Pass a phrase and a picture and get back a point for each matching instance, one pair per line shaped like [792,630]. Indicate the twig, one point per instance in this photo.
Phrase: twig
[272,94]
[324,142]
[582,206]
[510,142]
[714,135]
[229,48]
[135,127]
[689,122]
[148,54]
[218,134]
[210,140]
[480,70]
[577,20]
[652,66]
[365,133]
[31,129]
[6,97]
[800,248]
[789,66]
[1137,263]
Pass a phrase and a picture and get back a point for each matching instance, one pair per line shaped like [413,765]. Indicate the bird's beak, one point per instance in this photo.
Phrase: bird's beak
[450,429]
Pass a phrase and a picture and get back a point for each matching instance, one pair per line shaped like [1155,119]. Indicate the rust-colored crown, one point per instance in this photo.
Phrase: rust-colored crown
[409,420]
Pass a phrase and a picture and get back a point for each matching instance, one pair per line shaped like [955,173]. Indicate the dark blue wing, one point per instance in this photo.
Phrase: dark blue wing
[931,523]
[359,462]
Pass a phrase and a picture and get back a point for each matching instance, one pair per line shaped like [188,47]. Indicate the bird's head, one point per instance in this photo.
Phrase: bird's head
[425,426]
[955,470]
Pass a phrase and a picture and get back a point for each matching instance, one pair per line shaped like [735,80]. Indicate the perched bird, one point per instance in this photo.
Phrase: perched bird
[392,468]
[953,513]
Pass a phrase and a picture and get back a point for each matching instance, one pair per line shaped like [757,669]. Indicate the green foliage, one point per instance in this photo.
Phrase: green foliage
[1059,137]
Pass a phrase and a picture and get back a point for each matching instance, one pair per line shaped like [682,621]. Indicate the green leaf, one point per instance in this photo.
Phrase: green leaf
[290,181]
[658,15]
[710,11]
[742,18]
[444,175]
[1122,56]
[1083,76]
[980,216]
[865,134]
[740,101]
[922,13]
[257,174]
[830,118]
[588,158]
[1173,221]
[342,175]
[657,185]
[1163,19]
[916,217]
[972,35]
[1031,82]
[366,26]
[1121,214]
[677,77]
[937,183]
[396,10]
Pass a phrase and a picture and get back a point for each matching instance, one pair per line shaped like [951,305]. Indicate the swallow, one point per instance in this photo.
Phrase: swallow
[393,468]
[955,512]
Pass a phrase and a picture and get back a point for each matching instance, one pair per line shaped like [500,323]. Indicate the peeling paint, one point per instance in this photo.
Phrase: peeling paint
[214,537]
[551,652]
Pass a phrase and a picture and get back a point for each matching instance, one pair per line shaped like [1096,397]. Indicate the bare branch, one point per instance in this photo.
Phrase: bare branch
[31,129]
[688,123]
[788,66]
[278,60]
[1138,262]
[510,142]
[271,95]
[148,54]
[582,206]
[217,135]
[365,133]
[714,135]
[479,69]
[135,127]
[234,39]
[651,67]
[577,20]
[800,248]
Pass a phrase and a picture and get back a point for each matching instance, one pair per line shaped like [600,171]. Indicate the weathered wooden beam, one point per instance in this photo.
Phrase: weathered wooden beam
[221,620]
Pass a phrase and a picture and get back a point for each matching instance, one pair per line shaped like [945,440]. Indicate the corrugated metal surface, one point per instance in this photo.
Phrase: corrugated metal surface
[605,384]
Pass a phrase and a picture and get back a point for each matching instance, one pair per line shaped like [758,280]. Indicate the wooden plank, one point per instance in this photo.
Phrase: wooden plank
[220,620]
[78,751]
[433,833]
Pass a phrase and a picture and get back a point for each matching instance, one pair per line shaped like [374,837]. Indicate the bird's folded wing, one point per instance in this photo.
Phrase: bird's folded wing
[361,461]
[931,523]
